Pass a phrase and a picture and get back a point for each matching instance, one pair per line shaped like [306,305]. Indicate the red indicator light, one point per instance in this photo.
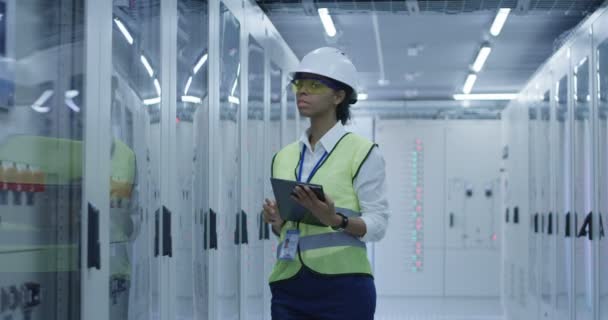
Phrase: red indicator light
[418,245]
[418,251]
[419,148]
[419,208]
[418,264]
[494,237]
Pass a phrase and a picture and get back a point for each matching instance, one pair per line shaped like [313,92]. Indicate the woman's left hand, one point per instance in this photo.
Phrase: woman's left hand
[324,211]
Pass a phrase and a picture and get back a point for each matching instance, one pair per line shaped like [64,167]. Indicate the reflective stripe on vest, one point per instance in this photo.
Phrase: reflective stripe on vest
[326,240]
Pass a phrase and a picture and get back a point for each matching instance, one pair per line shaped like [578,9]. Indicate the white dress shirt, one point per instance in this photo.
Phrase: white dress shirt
[370,183]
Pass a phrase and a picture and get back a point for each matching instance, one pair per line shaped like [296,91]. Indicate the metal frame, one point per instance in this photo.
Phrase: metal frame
[579,50]
[599,36]
[98,53]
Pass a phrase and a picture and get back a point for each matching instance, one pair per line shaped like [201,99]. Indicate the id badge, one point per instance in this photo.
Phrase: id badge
[289,247]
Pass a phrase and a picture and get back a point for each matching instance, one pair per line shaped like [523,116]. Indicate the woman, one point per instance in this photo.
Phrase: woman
[322,270]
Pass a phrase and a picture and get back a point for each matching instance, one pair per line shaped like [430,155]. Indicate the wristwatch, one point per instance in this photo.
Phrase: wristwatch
[343,224]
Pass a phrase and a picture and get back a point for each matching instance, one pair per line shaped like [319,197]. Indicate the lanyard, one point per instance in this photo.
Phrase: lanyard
[314,170]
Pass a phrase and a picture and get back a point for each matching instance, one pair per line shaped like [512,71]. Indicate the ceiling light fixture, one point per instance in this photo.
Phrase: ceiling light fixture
[469,83]
[124,30]
[147,65]
[482,56]
[328,23]
[499,21]
[152,101]
[486,96]
[200,63]
[191,99]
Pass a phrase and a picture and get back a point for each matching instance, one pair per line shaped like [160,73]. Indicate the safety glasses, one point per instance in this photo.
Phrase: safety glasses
[312,86]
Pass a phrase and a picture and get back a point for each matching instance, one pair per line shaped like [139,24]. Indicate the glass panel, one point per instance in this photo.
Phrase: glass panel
[192,132]
[229,165]
[533,231]
[276,91]
[135,191]
[583,191]
[191,128]
[563,203]
[254,193]
[274,145]
[544,201]
[291,110]
[602,143]
[41,169]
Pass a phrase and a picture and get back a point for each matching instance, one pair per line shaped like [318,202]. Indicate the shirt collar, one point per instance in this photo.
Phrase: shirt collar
[328,141]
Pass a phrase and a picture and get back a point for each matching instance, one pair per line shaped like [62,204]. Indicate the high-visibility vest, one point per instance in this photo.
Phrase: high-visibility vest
[320,248]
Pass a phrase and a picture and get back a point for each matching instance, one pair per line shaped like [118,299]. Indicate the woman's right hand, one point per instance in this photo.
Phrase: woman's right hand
[271,214]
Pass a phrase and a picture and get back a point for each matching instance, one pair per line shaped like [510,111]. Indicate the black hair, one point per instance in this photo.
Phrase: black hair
[343,109]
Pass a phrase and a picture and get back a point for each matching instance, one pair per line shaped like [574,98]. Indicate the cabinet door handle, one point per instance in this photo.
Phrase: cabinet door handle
[157,232]
[244,231]
[568,224]
[240,229]
[212,229]
[167,238]
[451,219]
[550,223]
[93,243]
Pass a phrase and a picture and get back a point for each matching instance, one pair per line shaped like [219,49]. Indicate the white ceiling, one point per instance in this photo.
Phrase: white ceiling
[448,42]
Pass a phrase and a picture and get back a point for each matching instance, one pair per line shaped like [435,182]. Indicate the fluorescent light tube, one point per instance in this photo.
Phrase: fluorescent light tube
[191,99]
[72,105]
[124,30]
[486,96]
[157,85]
[71,94]
[236,81]
[482,56]
[188,83]
[468,85]
[499,21]
[146,64]
[362,96]
[152,101]
[233,99]
[38,105]
[200,63]
[328,23]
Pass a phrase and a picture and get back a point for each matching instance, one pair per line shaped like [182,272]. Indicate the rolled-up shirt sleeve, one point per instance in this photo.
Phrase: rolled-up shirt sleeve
[370,186]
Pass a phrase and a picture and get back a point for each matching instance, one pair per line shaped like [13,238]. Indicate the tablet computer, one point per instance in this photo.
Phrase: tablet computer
[289,209]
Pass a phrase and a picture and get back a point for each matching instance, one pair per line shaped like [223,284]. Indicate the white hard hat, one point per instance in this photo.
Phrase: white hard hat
[331,63]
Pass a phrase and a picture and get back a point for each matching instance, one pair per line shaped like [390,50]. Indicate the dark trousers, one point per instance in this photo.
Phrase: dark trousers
[310,296]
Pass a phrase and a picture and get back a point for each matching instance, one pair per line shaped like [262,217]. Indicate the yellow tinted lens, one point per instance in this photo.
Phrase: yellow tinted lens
[311,86]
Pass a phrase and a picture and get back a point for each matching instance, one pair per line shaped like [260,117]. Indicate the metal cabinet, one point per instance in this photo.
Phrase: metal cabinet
[582,178]
[600,72]
[45,128]
[256,231]
[562,191]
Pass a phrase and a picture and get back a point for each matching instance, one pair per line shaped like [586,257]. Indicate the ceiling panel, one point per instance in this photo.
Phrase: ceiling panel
[428,55]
